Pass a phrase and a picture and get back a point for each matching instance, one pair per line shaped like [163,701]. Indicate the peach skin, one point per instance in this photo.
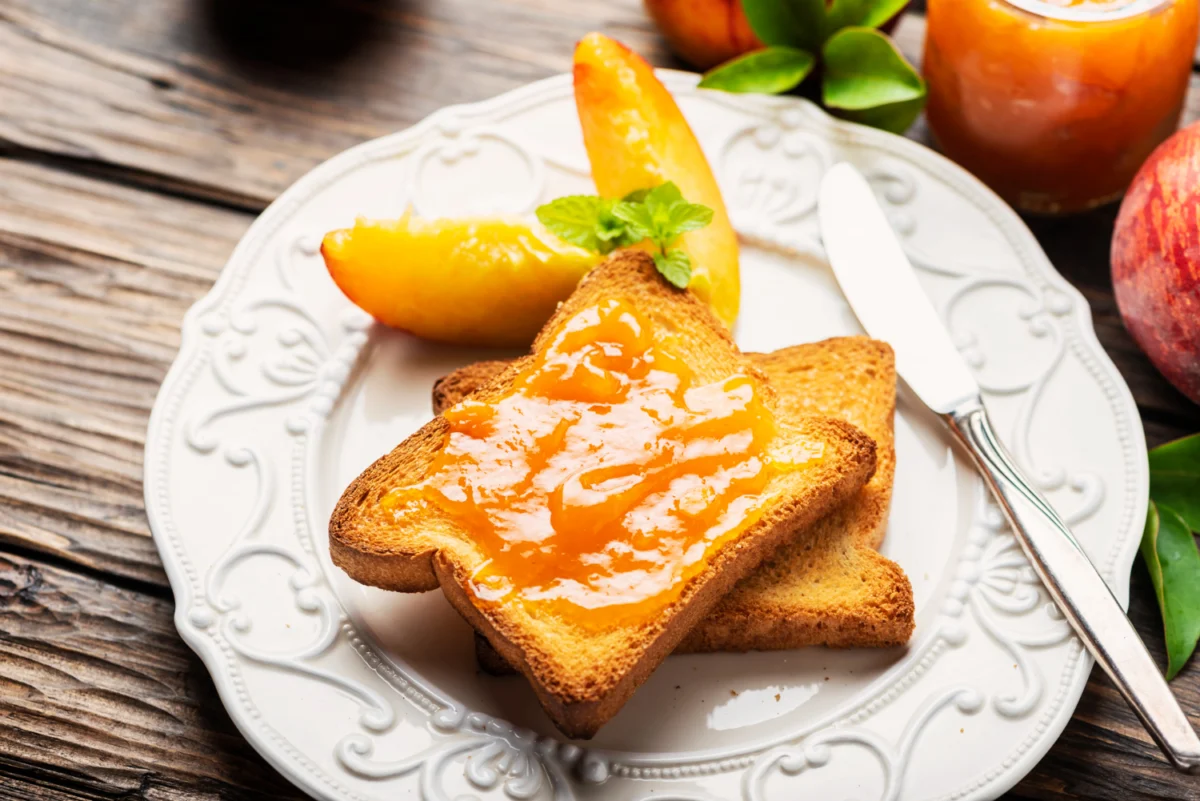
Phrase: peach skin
[704,33]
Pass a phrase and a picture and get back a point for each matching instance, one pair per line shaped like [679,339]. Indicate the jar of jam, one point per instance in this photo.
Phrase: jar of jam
[1056,103]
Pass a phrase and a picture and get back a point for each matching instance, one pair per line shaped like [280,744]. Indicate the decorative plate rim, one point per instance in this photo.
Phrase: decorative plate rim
[1080,339]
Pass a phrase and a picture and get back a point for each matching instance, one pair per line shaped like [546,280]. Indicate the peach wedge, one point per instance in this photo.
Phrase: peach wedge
[636,138]
[484,281]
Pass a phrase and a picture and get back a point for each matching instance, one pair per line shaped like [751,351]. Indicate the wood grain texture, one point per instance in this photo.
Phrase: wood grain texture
[100,699]
[132,136]
[94,281]
[208,96]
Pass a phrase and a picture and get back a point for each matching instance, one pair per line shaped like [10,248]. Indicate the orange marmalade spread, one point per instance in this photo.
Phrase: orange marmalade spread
[607,475]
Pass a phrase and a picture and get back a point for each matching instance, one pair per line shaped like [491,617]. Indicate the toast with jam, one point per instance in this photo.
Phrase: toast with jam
[588,505]
[828,586]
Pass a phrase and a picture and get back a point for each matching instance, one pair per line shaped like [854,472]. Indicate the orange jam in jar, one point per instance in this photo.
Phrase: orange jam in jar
[1056,103]
[608,474]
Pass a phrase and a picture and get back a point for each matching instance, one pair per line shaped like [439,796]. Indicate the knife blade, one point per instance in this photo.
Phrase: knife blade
[875,276]
[886,296]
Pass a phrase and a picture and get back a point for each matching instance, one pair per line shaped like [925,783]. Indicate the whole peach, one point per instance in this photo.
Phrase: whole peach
[704,33]
[1156,260]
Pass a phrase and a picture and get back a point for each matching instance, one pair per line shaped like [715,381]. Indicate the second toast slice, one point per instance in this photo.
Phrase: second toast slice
[581,674]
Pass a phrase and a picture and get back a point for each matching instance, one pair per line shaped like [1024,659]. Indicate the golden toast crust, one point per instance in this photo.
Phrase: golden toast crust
[583,678]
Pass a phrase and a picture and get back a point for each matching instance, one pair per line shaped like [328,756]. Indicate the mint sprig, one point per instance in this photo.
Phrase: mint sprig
[863,77]
[601,225]
[586,221]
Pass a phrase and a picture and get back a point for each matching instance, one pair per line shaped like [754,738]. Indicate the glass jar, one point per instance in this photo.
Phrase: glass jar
[1056,103]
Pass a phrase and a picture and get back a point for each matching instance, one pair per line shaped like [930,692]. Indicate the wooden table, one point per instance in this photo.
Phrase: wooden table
[138,139]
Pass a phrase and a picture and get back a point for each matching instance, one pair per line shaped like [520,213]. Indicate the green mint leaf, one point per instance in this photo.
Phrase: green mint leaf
[769,71]
[686,217]
[662,216]
[790,23]
[673,215]
[637,219]
[611,231]
[663,196]
[880,11]
[867,80]
[1175,479]
[661,203]
[587,221]
[1169,551]
[675,266]
[574,218]
[636,196]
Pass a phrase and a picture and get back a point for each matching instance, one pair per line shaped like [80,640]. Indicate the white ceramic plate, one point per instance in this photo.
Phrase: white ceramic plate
[283,392]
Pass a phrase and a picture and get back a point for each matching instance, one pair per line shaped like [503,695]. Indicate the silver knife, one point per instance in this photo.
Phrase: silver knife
[883,290]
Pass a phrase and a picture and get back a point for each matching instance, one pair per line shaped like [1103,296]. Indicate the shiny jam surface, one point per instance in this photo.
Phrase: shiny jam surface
[607,475]
[1056,104]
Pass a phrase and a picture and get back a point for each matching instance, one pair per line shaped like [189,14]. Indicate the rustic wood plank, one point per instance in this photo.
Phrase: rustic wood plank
[100,699]
[94,280]
[235,101]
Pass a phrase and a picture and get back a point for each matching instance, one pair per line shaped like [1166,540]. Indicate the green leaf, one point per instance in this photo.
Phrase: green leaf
[865,13]
[663,196]
[675,266]
[790,23]
[880,11]
[637,219]
[648,219]
[895,117]
[1169,550]
[661,203]
[867,80]
[769,71]
[1175,479]
[636,196]
[573,218]
[686,217]
[843,13]
[587,221]
[662,216]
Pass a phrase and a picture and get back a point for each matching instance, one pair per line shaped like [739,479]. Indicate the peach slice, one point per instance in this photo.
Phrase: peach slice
[483,281]
[636,137]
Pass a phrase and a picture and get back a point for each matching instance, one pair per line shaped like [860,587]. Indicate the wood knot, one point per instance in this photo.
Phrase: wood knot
[19,584]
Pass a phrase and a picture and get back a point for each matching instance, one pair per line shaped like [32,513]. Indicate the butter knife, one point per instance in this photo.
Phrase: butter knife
[877,279]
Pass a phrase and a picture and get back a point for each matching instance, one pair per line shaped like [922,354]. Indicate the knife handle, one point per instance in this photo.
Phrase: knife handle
[1078,589]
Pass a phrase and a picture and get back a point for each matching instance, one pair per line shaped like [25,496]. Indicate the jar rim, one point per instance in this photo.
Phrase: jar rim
[1047,10]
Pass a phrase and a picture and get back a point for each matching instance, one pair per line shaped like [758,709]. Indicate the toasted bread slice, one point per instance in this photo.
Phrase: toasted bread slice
[582,677]
[827,588]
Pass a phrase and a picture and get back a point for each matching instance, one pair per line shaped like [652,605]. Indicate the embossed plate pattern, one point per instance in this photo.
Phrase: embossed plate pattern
[283,391]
